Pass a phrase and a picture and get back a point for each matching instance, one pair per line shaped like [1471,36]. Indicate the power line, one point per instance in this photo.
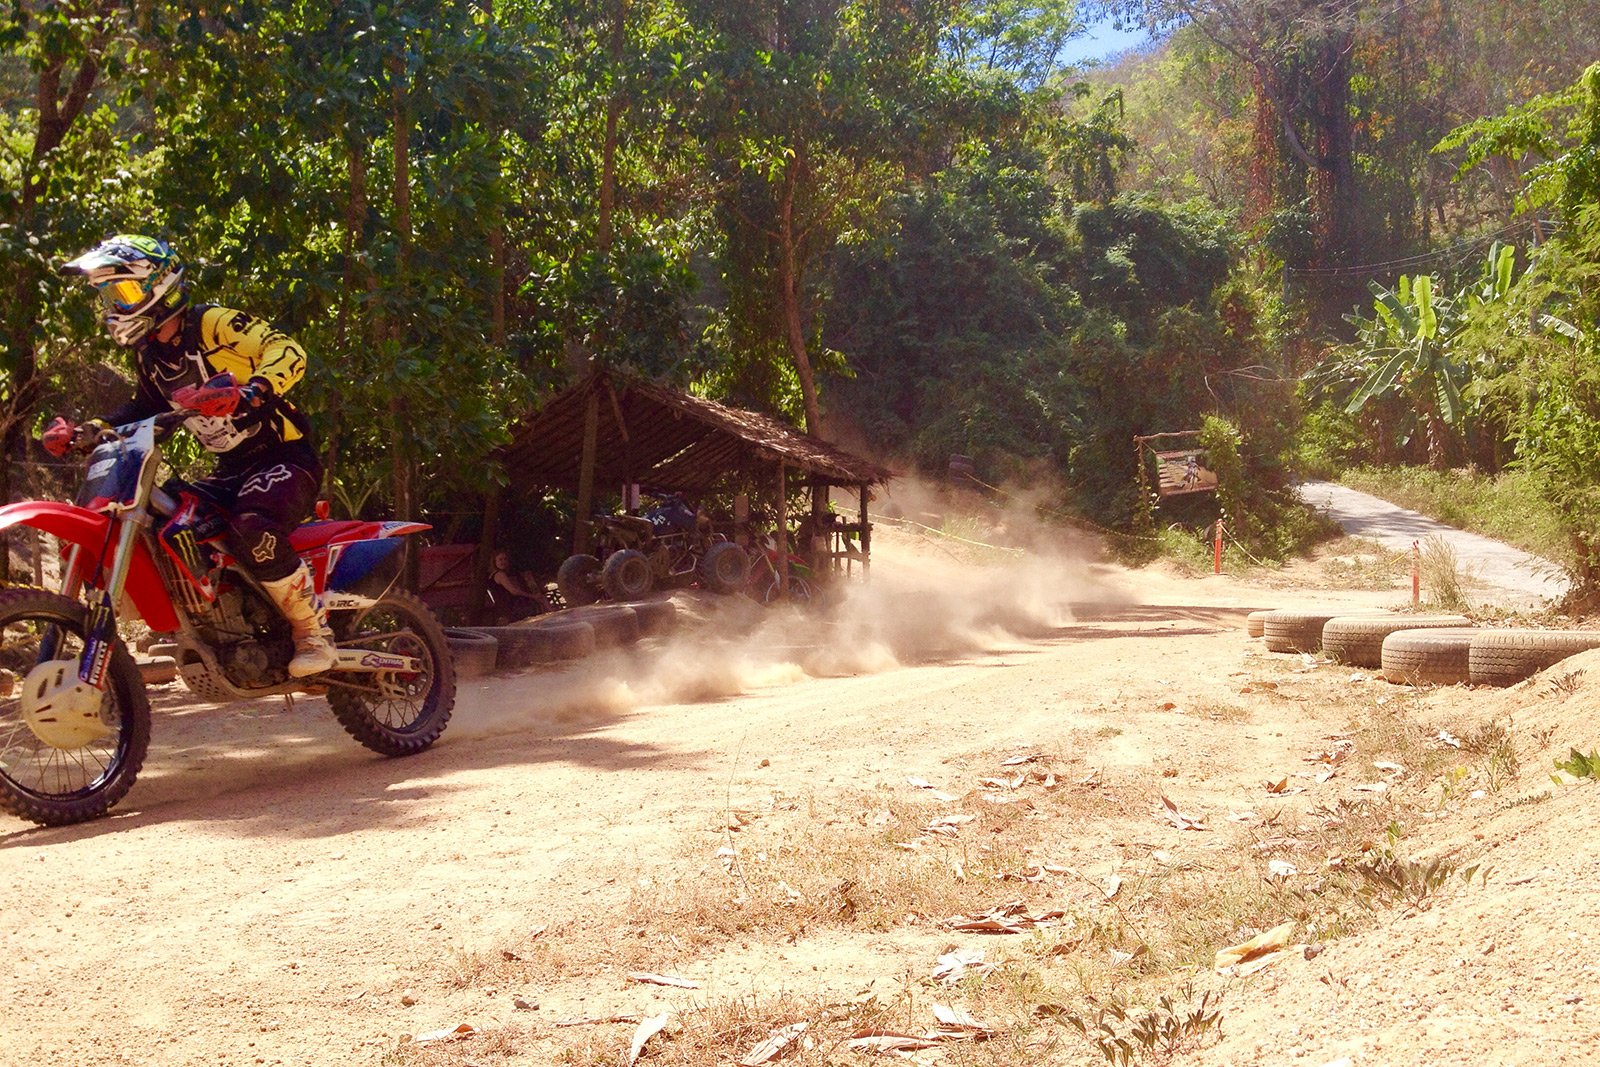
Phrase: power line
[1448,252]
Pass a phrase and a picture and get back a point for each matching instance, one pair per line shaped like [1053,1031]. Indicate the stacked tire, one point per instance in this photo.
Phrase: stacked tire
[1506,657]
[1357,640]
[1296,631]
[1428,657]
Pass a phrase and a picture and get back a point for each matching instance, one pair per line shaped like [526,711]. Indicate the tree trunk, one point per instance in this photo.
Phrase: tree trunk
[792,295]
[1334,180]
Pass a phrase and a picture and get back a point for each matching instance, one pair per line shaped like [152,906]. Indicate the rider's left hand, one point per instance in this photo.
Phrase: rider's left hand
[220,397]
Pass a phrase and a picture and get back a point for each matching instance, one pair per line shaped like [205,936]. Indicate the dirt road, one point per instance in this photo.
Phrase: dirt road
[271,893]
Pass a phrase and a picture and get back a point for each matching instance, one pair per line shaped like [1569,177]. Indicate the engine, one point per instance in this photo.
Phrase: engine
[249,637]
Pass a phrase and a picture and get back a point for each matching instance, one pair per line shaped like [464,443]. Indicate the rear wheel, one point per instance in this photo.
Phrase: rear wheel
[577,580]
[725,568]
[394,713]
[65,755]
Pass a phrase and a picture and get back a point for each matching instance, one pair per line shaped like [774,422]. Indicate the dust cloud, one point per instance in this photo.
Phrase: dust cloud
[930,597]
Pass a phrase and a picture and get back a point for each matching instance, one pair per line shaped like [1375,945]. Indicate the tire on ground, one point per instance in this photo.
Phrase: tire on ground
[1506,657]
[157,670]
[1428,657]
[521,647]
[655,616]
[1358,639]
[1296,631]
[613,624]
[627,575]
[474,651]
[1254,621]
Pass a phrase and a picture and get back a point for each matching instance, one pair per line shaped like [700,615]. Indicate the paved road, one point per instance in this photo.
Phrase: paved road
[1496,573]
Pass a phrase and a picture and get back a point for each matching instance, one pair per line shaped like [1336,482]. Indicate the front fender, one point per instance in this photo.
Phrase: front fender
[145,590]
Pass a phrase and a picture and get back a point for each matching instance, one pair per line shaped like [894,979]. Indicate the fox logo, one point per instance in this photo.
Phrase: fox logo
[265,548]
[261,481]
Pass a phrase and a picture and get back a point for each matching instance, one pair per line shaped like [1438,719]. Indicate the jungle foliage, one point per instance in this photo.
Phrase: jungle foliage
[911,227]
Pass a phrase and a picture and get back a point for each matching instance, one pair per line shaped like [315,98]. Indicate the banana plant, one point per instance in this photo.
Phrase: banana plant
[1404,351]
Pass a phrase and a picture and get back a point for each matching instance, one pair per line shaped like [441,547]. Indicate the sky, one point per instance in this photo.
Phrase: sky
[1101,41]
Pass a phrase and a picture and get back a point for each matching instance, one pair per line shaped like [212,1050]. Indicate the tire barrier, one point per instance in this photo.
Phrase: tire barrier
[655,616]
[1358,639]
[157,670]
[474,651]
[1428,657]
[1298,631]
[1506,657]
[521,647]
[1255,621]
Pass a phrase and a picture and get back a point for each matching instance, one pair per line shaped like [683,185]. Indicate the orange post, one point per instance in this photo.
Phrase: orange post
[1216,554]
[1416,573]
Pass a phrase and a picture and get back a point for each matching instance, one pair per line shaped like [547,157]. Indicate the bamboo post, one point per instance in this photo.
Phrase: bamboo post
[866,536]
[481,566]
[591,445]
[782,533]
[1416,573]
[1216,560]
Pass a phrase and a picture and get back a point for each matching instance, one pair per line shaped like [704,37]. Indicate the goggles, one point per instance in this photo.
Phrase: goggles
[124,294]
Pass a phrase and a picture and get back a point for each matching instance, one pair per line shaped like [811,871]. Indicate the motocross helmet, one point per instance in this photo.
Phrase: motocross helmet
[139,281]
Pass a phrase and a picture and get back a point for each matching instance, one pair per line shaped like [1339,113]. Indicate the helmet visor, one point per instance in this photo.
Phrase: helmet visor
[124,294]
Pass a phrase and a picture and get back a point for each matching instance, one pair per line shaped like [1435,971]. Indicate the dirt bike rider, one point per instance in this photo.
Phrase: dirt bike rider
[232,369]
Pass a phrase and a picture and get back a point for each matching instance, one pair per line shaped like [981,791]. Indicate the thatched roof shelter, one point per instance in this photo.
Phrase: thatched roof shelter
[667,440]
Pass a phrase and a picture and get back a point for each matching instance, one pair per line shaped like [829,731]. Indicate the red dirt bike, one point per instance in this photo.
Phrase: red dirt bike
[74,715]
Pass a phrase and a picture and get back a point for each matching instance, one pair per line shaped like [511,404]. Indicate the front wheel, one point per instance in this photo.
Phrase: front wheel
[67,754]
[390,712]
[577,580]
[627,575]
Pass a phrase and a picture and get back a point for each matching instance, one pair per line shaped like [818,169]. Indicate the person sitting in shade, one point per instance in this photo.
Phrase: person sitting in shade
[517,592]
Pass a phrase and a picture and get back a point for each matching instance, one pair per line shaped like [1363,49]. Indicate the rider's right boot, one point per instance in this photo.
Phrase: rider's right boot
[296,597]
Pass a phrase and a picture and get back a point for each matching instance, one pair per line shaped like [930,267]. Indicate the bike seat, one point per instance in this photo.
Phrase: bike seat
[634,523]
[316,534]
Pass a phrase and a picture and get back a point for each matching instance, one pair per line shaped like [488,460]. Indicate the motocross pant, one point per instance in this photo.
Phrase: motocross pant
[265,494]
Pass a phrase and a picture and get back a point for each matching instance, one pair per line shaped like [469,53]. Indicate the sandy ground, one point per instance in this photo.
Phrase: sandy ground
[272,893]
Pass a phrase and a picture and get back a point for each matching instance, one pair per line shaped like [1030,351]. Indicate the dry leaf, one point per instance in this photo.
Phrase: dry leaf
[1017,761]
[1371,787]
[920,783]
[776,1044]
[1242,816]
[647,1029]
[663,979]
[1091,779]
[1256,953]
[964,1025]
[442,1035]
[1444,738]
[1178,818]
[1112,884]
[954,966]
[1282,869]
[889,1041]
[1389,768]
[1283,788]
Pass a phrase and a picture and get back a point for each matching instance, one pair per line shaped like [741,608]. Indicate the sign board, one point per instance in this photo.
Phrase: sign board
[1184,471]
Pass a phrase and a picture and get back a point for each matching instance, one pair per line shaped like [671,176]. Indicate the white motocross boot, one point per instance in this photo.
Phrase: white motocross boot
[297,598]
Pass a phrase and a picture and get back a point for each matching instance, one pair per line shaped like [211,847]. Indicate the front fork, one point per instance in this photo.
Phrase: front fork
[100,634]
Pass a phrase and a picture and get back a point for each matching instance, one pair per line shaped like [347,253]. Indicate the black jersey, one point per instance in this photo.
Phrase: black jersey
[213,340]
